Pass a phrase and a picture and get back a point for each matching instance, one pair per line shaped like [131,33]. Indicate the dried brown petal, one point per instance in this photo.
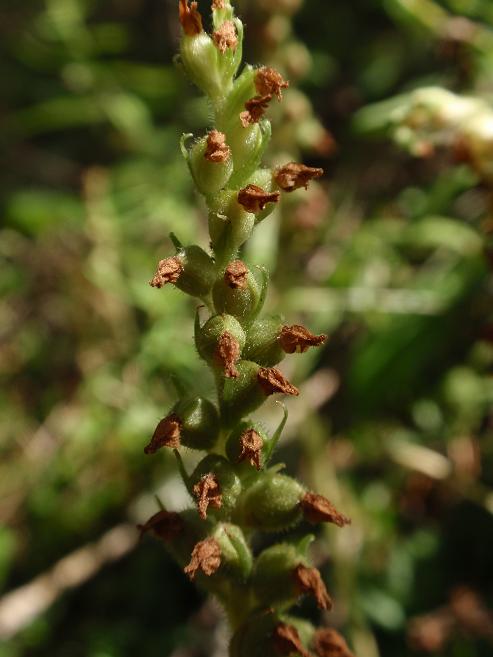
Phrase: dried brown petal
[218,4]
[270,82]
[251,444]
[227,354]
[272,381]
[329,643]
[297,339]
[254,198]
[217,149]
[168,271]
[190,18]
[293,176]
[254,110]
[208,492]
[287,641]
[163,524]
[225,37]
[206,556]
[166,434]
[309,581]
[235,275]
[317,508]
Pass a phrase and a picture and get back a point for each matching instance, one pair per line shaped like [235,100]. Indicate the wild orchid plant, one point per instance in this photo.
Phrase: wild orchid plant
[237,493]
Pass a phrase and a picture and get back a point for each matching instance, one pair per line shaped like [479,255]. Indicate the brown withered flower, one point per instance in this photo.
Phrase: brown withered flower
[293,176]
[254,198]
[225,37]
[217,149]
[251,444]
[217,4]
[269,82]
[297,339]
[190,18]
[235,275]
[163,524]
[308,580]
[168,270]
[208,492]
[287,641]
[329,643]
[227,354]
[166,434]
[206,556]
[272,380]
[317,508]
[254,110]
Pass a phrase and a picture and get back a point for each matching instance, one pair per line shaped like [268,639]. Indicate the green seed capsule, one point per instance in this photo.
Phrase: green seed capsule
[241,395]
[199,423]
[210,163]
[263,178]
[262,343]
[273,578]
[230,225]
[254,638]
[240,292]
[246,447]
[220,341]
[268,633]
[215,486]
[248,145]
[272,503]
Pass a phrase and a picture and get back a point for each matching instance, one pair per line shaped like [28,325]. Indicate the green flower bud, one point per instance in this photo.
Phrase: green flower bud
[229,224]
[200,59]
[215,486]
[220,341]
[243,89]
[281,575]
[240,292]
[272,503]
[191,270]
[199,423]
[210,162]
[228,39]
[262,342]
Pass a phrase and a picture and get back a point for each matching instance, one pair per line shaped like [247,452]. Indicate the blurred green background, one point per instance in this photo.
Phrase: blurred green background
[390,255]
